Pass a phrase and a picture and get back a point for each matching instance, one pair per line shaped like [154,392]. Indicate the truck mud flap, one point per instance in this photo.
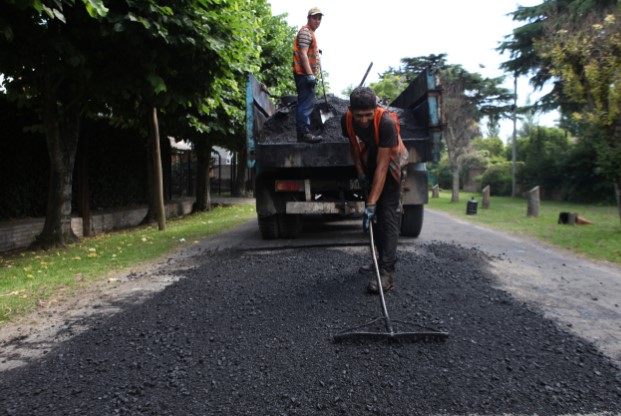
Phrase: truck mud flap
[416,185]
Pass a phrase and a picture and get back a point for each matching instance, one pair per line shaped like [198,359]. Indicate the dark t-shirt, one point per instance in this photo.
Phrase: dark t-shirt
[387,138]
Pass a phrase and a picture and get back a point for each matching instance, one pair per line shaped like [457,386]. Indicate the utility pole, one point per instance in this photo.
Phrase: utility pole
[513,142]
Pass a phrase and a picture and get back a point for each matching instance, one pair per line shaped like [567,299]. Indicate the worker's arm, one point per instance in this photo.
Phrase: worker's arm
[379,178]
[303,51]
[355,155]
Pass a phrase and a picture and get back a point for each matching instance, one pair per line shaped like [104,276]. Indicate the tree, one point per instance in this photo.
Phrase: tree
[273,68]
[411,67]
[524,59]
[492,146]
[544,153]
[194,78]
[276,47]
[389,87]
[259,50]
[466,98]
[51,9]
[140,59]
[46,67]
[460,123]
[529,120]
[493,125]
[586,55]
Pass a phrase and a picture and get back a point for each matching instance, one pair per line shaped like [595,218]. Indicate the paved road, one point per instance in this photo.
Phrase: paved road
[584,296]
[238,325]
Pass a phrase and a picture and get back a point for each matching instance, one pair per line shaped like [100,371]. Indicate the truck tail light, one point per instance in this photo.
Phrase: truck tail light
[289,186]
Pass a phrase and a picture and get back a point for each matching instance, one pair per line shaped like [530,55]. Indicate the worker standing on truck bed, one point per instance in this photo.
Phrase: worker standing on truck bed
[305,69]
[379,155]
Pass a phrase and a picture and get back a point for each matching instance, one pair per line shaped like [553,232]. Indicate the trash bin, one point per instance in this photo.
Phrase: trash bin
[471,206]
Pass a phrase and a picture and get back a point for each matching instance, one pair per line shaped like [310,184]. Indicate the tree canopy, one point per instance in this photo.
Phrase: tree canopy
[186,59]
[467,97]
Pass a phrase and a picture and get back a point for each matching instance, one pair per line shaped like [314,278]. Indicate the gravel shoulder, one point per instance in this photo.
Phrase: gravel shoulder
[582,295]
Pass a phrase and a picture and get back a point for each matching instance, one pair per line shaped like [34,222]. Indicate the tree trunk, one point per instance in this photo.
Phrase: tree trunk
[61,124]
[618,193]
[82,179]
[242,172]
[533,202]
[158,178]
[151,198]
[453,153]
[455,184]
[203,184]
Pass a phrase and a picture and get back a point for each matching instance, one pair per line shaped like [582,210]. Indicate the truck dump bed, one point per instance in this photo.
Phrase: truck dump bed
[274,141]
[294,179]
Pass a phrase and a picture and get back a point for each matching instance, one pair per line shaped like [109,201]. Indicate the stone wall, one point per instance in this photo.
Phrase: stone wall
[19,234]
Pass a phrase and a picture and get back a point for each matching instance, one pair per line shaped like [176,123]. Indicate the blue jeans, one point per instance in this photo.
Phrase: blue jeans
[306,102]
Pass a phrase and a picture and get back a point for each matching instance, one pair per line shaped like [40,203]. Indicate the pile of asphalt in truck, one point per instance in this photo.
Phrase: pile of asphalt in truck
[325,121]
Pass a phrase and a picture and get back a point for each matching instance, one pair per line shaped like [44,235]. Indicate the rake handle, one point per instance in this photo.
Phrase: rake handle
[379,283]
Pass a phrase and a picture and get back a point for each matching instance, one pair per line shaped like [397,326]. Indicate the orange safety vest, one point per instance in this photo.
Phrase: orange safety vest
[313,54]
[398,154]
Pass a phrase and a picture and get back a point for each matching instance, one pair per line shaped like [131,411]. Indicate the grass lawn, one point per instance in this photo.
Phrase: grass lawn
[600,240]
[28,279]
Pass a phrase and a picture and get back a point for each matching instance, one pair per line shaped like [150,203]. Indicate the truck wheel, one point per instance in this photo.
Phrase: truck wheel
[412,220]
[290,225]
[268,226]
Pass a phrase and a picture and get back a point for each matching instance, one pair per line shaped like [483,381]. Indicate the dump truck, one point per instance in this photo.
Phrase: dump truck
[293,180]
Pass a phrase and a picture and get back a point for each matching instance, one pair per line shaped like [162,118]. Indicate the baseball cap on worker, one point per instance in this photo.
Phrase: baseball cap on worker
[314,11]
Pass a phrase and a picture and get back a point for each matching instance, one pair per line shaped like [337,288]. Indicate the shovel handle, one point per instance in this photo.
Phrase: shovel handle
[325,97]
[365,74]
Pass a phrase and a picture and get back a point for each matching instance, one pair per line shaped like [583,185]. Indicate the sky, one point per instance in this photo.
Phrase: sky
[354,33]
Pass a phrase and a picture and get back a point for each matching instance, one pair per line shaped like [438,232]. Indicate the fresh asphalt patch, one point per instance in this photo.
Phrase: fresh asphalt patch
[250,333]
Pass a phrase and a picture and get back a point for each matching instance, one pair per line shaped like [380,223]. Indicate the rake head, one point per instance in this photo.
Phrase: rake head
[361,333]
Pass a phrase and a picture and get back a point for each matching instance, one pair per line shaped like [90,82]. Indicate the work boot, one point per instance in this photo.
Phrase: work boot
[309,138]
[387,282]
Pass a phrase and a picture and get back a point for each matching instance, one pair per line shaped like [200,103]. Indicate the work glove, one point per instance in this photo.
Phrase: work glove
[312,81]
[367,217]
[364,182]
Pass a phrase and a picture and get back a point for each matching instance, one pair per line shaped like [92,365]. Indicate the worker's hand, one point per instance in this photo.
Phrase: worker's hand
[312,81]
[368,216]
[364,182]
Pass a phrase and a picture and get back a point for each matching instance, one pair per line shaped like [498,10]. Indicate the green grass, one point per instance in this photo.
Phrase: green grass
[600,240]
[29,279]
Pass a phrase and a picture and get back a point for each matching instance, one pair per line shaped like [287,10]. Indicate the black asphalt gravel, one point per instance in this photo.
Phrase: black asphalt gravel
[249,333]
[278,128]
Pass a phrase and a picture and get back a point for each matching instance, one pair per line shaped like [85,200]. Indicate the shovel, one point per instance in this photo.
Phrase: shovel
[326,112]
[365,74]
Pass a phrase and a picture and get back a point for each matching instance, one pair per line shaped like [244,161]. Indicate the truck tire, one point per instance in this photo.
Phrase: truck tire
[290,225]
[268,226]
[412,220]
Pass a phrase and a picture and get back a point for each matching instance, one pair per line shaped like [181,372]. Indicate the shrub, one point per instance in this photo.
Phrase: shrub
[499,179]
